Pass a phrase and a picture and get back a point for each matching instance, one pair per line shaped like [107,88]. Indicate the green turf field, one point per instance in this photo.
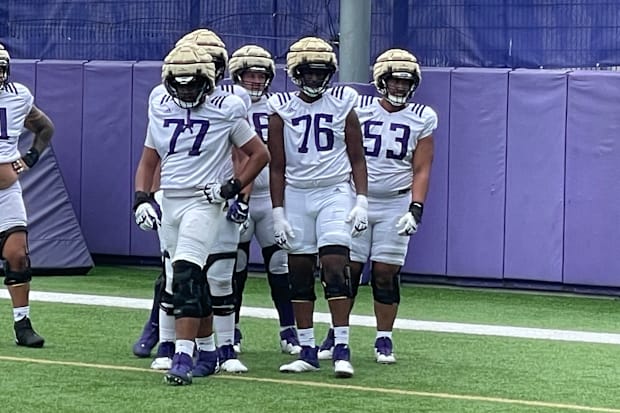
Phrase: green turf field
[87,365]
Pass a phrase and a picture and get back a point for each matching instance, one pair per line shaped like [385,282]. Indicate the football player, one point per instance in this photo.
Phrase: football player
[398,144]
[252,68]
[315,143]
[191,134]
[17,111]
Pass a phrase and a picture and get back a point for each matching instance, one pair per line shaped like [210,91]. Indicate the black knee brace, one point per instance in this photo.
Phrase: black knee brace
[337,286]
[239,279]
[17,277]
[190,296]
[278,283]
[384,295]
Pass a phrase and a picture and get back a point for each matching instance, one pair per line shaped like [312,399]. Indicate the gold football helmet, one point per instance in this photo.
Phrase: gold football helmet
[311,63]
[188,75]
[5,68]
[213,44]
[398,64]
[252,58]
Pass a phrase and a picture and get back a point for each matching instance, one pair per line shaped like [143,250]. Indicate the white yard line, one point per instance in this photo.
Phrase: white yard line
[357,320]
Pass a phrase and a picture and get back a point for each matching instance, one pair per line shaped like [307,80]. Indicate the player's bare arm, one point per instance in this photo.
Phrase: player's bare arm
[258,158]
[42,127]
[422,161]
[240,160]
[278,160]
[355,150]
[147,168]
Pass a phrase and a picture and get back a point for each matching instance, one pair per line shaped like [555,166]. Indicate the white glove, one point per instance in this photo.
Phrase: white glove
[213,193]
[146,217]
[282,230]
[408,224]
[359,216]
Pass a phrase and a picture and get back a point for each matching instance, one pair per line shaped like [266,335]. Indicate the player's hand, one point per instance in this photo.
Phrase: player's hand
[19,166]
[408,224]
[146,212]
[245,225]
[359,216]
[282,229]
[238,211]
[217,193]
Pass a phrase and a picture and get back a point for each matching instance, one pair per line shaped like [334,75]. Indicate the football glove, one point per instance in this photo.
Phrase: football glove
[145,213]
[359,216]
[408,224]
[238,211]
[217,193]
[282,229]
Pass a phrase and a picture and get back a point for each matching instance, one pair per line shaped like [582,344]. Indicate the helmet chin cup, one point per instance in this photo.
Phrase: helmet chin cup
[396,100]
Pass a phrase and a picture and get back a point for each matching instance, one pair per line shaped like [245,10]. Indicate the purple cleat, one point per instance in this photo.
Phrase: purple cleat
[181,372]
[383,351]
[342,361]
[147,341]
[163,358]
[289,343]
[307,361]
[206,363]
[327,347]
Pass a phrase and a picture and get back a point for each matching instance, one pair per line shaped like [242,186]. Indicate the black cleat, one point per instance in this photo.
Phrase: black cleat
[25,335]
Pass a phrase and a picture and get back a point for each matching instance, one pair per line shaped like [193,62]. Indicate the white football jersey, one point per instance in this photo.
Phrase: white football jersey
[259,119]
[15,104]
[314,143]
[390,140]
[193,144]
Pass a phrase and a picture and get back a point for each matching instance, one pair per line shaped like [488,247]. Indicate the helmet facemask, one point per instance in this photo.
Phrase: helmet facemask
[394,92]
[5,68]
[188,91]
[313,78]
[255,80]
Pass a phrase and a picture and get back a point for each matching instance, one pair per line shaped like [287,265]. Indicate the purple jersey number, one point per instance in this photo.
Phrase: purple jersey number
[180,127]
[323,136]
[261,123]
[375,148]
[4,133]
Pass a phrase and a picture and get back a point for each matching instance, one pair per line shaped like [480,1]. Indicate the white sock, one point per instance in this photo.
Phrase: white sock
[206,343]
[341,335]
[306,337]
[224,326]
[19,313]
[184,346]
[387,334]
[166,327]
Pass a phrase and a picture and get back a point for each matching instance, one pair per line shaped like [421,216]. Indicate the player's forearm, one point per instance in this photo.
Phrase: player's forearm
[276,187]
[421,181]
[255,163]
[360,176]
[42,139]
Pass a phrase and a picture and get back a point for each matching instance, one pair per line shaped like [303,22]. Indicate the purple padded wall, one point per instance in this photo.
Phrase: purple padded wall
[59,93]
[592,215]
[535,175]
[427,248]
[106,156]
[146,75]
[477,172]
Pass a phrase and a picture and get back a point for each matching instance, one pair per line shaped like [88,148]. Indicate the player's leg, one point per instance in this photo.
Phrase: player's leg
[219,269]
[187,227]
[241,275]
[167,334]
[276,266]
[206,359]
[302,266]
[360,251]
[388,253]
[17,276]
[334,241]
[17,272]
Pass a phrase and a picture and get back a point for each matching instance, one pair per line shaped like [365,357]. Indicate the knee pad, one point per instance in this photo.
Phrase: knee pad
[14,278]
[223,306]
[384,295]
[280,288]
[219,270]
[243,252]
[337,286]
[275,259]
[190,297]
